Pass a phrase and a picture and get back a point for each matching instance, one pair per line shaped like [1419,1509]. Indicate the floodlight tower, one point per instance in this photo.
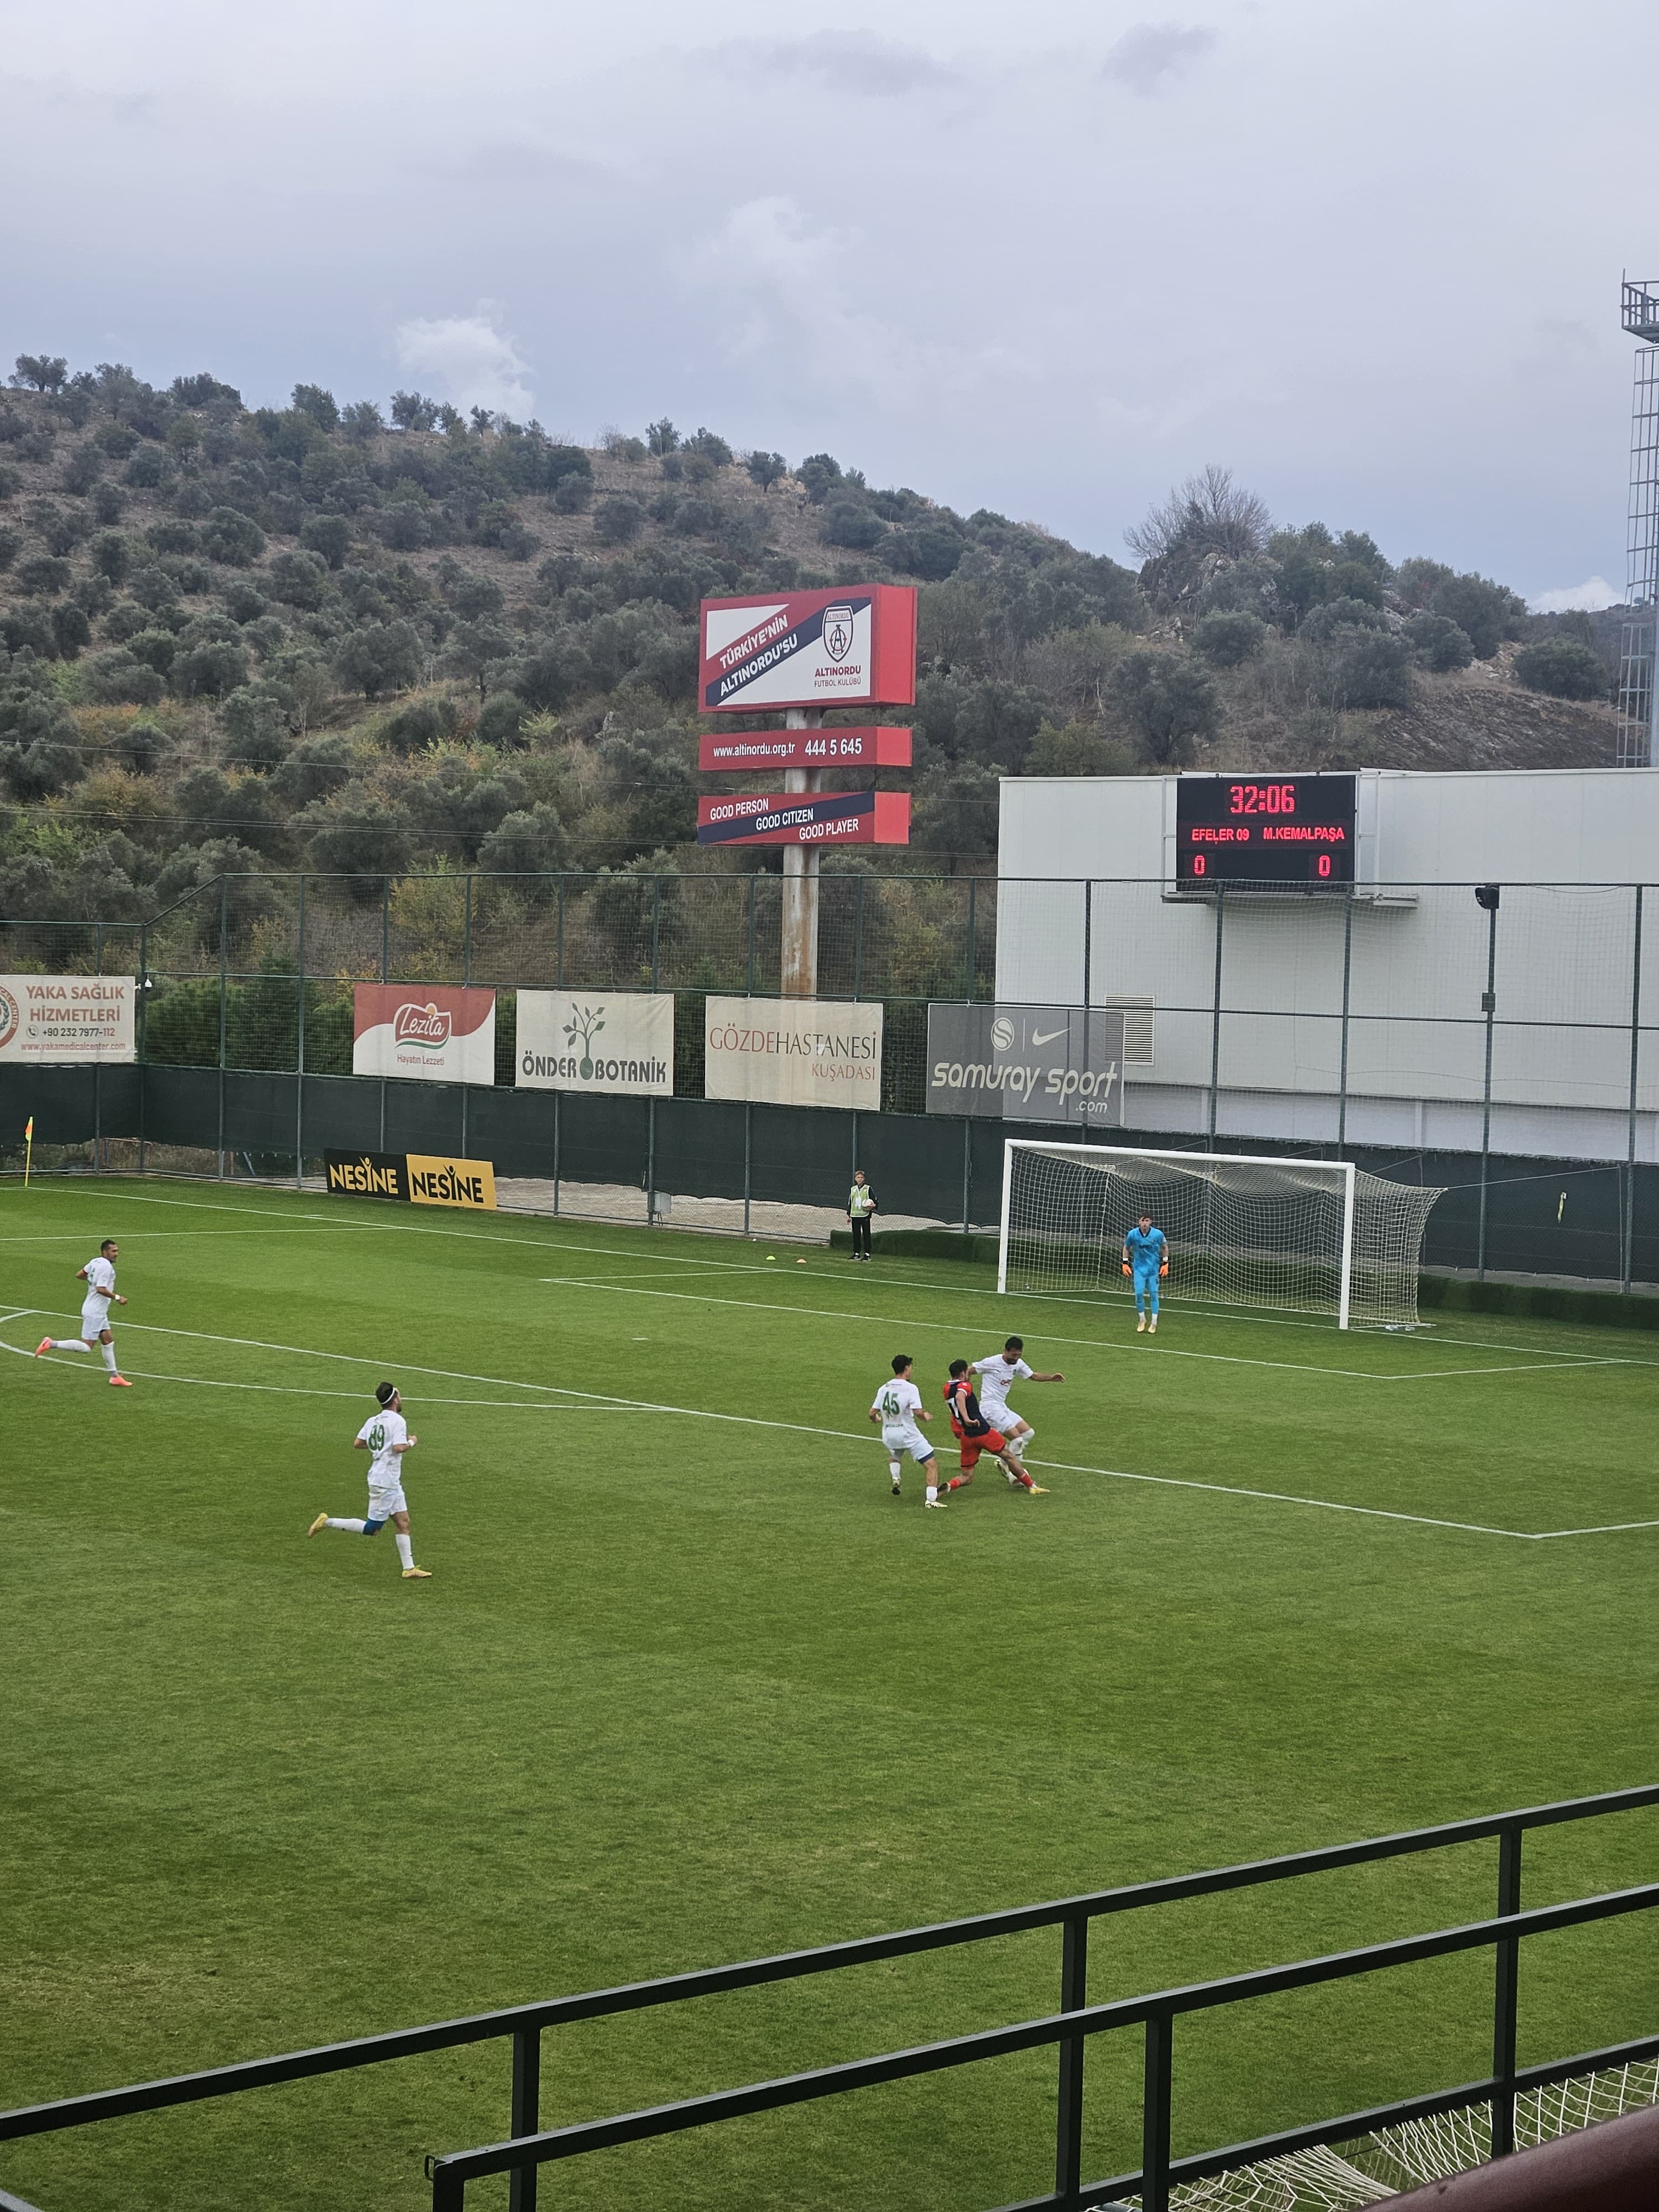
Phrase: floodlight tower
[1638,693]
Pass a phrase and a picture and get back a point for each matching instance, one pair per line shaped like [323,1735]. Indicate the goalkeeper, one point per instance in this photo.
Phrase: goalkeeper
[1146,1262]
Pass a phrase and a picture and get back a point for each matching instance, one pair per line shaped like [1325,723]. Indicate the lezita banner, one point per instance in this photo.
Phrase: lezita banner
[621,1042]
[792,1052]
[66,1021]
[426,1032]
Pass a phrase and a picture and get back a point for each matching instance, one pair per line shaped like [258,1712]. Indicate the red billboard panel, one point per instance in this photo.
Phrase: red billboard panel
[852,647]
[767,750]
[832,817]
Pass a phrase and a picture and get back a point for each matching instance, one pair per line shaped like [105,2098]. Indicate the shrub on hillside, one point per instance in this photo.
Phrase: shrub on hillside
[1171,702]
[1226,639]
[1438,644]
[1562,667]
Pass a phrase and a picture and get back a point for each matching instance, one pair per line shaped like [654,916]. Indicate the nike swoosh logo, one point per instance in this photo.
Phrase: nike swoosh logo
[1048,1036]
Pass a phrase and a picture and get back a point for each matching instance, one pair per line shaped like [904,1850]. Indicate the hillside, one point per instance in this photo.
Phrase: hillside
[234,640]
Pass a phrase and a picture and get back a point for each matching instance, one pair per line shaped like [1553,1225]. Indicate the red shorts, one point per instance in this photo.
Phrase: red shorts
[992,1441]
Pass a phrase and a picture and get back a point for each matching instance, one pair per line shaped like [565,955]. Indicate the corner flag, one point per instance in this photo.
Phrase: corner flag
[28,1148]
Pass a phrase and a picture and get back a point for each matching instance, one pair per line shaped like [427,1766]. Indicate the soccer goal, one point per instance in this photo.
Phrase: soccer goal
[1303,1235]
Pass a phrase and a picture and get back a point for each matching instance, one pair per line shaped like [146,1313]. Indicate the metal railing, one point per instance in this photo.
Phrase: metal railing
[529,2146]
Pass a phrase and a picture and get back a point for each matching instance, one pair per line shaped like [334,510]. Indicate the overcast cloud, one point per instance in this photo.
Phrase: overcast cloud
[1045,259]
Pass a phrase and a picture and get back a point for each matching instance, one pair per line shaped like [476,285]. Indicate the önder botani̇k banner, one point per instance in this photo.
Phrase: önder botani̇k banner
[424,1032]
[619,1042]
[792,1052]
[852,647]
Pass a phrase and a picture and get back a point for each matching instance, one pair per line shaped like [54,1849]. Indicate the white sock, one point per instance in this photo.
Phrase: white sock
[932,1492]
[69,1344]
[1016,1445]
[406,1552]
[108,1351]
[894,1469]
[352,1528]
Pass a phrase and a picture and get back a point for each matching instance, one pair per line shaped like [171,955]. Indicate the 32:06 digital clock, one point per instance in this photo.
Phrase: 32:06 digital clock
[1267,829]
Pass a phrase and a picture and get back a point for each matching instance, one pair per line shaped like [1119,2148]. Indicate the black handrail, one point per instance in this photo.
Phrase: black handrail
[1157,2013]
[523,2023]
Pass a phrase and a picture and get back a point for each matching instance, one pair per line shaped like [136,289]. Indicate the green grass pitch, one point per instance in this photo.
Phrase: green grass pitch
[686,1689]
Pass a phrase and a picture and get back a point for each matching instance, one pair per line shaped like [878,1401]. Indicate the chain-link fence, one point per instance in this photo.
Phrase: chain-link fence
[1491,1021]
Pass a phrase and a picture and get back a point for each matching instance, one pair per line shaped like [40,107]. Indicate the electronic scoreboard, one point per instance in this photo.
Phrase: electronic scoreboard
[1264,829]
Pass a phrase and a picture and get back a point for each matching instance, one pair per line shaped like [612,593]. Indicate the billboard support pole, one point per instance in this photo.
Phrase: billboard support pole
[800,978]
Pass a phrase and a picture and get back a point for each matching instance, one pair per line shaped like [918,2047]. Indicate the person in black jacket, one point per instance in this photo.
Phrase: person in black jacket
[860,1206]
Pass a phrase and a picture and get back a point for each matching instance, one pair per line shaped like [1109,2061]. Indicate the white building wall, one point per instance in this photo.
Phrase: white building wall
[1567,846]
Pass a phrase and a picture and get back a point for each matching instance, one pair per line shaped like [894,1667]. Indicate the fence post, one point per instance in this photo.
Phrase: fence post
[1088,942]
[558,1118]
[748,1149]
[656,929]
[1073,1996]
[527,2112]
[1487,896]
[858,939]
[1506,1981]
[300,1050]
[558,975]
[1155,2114]
[224,985]
[144,1028]
[973,933]
[1635,1059]
[1342,1079]
[98,1082]
[749,992]
[1215,1023]
[386,962]
[466,935]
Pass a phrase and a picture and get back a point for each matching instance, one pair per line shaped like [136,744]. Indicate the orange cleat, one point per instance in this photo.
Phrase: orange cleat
[120,1383]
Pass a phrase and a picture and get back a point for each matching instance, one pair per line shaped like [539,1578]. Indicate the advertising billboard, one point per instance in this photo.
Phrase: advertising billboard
[429,1032]
[66,1021]
[417,1178]
[792,1052]
[739,751]
[1027,1063]
[782,818]
[852,646]
[618,1041]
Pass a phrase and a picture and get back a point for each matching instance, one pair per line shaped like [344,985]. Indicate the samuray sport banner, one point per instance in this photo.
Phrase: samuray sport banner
[66,1021]
[417,1178]
[852,647]
[619,1042]
[792,1052]
[1027,1063]
[429,1032]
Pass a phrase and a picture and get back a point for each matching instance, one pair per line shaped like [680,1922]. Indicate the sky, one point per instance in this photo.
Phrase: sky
[1047,258]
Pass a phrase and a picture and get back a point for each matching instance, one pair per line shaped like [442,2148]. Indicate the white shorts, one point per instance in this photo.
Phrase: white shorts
[1000,1416]
[906,1437]
[94,1318]
[383,1504]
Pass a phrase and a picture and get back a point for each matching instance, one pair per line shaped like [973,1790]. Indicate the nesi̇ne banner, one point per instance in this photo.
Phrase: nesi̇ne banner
[619,1041]
[429,1032]
[1027,1063]
[66,1021]
[417,1178]
[792,1052]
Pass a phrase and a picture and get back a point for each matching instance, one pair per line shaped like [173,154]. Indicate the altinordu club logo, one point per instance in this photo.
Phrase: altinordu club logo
[837,633]
[10,1017]
[424,1026]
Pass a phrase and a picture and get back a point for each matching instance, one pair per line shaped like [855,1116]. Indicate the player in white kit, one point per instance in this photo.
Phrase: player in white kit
[997,1374]
[896,1410]
[385,1436]
[98,1276]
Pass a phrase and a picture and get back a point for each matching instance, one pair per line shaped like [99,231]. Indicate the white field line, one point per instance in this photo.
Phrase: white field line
[559,1228]
[1130,1347]
[599,1403]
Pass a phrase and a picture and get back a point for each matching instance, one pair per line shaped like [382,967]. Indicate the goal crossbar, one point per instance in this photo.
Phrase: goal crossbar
[1241,1228]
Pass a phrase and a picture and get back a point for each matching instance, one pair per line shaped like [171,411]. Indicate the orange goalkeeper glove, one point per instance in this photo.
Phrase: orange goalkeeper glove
[1165,1269]
[1126,1266]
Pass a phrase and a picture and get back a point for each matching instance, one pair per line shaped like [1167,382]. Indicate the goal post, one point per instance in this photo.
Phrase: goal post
[1299,1236]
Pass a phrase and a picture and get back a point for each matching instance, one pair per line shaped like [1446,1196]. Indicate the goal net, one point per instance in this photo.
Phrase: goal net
[1303,1235]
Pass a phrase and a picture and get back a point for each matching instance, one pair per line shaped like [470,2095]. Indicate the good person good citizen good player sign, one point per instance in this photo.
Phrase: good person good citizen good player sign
[851,647]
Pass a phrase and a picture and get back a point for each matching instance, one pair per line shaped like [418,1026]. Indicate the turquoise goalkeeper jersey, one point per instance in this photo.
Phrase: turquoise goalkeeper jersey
[1146,1248]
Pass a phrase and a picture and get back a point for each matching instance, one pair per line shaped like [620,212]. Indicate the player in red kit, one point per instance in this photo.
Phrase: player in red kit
[975,1434]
